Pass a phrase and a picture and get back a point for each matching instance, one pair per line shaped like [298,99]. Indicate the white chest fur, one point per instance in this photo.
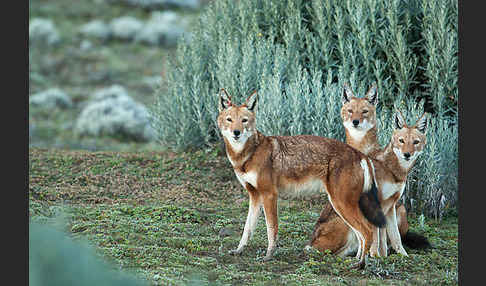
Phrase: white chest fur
[248,177]
[389,189]
[356,134]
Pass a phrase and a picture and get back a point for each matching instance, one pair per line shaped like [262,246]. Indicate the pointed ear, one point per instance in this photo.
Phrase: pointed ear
[372,95]
[251,101]
[399,122]
[347,94]
[224,100]
[422,124]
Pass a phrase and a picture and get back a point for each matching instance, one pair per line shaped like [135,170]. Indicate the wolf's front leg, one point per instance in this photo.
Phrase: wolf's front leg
[360,246]
[254,211]
[271,219]
[393,232]
[375,245]
[383,250]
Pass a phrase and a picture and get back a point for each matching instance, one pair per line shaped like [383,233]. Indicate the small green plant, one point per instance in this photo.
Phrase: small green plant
[422,221]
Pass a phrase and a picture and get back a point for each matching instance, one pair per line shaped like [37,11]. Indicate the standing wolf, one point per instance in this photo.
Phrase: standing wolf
[269,166]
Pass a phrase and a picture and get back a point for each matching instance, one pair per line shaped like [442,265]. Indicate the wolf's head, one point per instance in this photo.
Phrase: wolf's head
[359,114]
[237,123]
[408,142]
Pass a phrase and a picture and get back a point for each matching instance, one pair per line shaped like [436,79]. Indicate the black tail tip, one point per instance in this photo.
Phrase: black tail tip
[416,241]
[371,209]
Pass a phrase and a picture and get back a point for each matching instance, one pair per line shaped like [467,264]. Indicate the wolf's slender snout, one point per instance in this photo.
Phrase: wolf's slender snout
[355,122]
[237,133]
[406,155]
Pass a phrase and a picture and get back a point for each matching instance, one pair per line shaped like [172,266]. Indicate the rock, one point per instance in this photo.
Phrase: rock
[111,111]
[43,31]
[113,92]
[125,28]
[163,28]
[50,99]
[162,4]
[96,29]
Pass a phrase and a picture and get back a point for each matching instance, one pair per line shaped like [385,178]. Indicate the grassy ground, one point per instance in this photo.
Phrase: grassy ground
[172,217]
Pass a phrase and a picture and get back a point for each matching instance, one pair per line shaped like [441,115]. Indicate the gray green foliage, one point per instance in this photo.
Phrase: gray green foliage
[298,54]
[55,259]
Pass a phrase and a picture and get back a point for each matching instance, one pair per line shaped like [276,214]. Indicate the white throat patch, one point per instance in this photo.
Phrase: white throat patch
[404,163]
[236,145]
[357,133]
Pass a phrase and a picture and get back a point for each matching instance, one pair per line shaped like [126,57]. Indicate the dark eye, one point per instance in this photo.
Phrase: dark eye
[415,142]
[401,140]
[365,111]
[229,119]
[350,110]
[244,120]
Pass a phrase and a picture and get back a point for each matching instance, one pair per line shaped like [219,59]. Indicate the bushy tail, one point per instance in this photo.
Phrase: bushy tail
[415,240]
[368,200]
[371,208]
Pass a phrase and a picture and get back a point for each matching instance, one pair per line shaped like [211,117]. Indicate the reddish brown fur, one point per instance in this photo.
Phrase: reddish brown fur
[402,220]
[269,166]
[331,233]
[364,139]
[389,169]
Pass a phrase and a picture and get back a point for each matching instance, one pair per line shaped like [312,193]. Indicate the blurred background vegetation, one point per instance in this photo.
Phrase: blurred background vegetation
[116,48]
[57,260]
[93,69]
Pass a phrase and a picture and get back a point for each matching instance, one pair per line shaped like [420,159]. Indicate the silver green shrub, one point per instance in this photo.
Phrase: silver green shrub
[298,54]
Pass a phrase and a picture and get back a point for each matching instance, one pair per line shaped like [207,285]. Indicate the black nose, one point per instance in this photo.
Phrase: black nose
[407,155]
[236,132]
[355,122]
